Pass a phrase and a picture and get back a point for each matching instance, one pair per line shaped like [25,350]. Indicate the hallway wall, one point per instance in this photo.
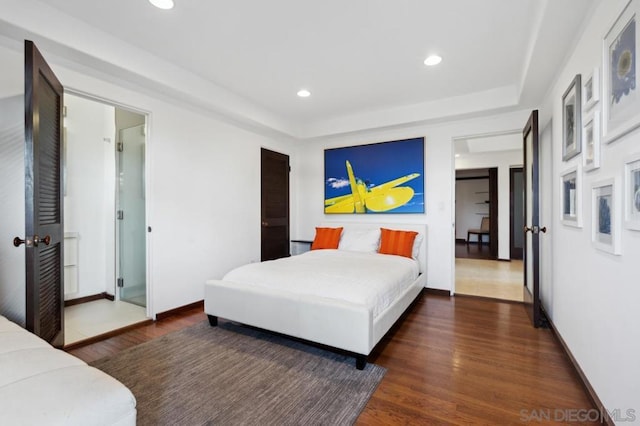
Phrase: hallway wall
[592,296]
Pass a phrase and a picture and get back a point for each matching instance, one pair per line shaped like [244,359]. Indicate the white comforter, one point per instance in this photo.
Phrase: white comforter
[369,279]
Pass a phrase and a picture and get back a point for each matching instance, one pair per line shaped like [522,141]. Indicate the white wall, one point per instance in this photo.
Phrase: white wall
[503,160]
[593,296]
[439,184]
[126,119]
[547,206]
[89,200]
[469,214]
[12,223]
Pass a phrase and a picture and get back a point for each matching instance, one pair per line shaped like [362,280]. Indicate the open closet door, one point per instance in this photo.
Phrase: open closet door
[44,199]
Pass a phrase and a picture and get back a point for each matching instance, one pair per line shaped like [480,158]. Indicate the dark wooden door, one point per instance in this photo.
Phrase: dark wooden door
[531,290]
[275,205]
[493,212]
[44,199]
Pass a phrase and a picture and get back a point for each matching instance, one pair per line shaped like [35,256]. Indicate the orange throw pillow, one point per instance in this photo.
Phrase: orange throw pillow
[395,242]
[326,238]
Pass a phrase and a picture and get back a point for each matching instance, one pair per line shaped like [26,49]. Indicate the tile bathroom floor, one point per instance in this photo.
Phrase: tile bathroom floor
[98,317]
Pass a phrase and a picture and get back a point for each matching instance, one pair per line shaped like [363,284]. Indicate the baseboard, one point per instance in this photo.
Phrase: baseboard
[104,336]
[437,292]
[583,378]
[166,314]
[91,298]
[463,241]
[489,299]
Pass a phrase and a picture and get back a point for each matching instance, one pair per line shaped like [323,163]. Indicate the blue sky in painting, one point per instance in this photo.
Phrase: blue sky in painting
[376,164]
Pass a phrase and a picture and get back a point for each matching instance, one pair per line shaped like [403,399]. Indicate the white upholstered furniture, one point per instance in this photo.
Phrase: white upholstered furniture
[336,323]
[41,385]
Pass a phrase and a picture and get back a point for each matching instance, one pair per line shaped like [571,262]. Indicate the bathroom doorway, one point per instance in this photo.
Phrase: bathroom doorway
[105,225]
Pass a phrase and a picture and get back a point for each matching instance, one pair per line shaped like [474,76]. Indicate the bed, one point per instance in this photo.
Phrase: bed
[345,298]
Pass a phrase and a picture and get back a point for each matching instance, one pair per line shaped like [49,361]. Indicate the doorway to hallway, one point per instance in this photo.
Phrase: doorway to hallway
[480,271]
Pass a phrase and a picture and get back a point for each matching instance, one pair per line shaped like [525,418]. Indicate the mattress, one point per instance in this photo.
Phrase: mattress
[371,280]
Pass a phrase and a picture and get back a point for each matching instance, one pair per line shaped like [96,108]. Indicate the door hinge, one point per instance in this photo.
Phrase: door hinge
[120,214]
[120,282]
[120,147]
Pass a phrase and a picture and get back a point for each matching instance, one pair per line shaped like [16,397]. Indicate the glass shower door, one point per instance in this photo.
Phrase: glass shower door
[132,277]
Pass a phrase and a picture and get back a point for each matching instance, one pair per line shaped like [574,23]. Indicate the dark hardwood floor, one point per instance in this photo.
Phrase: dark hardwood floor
[458,360]
[473,250]
[466,360]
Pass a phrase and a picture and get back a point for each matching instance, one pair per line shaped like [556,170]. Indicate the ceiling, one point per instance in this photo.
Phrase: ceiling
[488,143]
[357,57]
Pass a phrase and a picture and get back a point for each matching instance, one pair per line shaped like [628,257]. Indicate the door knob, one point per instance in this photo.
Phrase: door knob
[37,240]
[17,242]
[535,229]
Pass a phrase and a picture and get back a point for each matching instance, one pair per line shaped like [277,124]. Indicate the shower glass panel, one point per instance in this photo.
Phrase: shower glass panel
[131,216]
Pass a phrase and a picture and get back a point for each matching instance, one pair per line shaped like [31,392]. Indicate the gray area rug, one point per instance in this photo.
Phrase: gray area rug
[231,374]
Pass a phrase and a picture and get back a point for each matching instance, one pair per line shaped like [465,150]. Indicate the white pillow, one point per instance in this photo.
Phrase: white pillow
[416,246]
[365,240]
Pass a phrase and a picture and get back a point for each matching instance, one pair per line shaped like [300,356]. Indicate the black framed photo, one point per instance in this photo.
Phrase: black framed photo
[571,119]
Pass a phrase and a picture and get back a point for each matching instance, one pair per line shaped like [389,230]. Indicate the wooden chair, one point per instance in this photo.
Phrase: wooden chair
[483,230]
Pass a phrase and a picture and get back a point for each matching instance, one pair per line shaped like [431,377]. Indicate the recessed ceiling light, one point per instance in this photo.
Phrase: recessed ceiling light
[162,4]
[432,60]
[304,93]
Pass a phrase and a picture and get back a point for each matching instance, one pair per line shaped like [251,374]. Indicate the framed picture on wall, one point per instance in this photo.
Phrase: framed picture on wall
[621,103]
[571,124]
[632,193]
[605,232]
[591,141]
[571,197]
[591,90]
[386,177]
